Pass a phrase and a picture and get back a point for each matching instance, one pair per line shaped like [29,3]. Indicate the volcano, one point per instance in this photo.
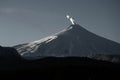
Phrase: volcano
[71,51]
[73,41]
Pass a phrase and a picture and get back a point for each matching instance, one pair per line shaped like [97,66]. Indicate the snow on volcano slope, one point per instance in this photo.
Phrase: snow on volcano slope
[73,41]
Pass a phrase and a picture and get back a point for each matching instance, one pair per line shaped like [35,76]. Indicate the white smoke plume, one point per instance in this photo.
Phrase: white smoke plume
[71,19]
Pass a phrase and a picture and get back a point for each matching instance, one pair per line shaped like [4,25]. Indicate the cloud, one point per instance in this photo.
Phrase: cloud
[7,10]
[15,10]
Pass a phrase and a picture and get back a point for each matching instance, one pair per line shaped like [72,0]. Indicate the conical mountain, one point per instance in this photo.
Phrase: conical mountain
[73,41]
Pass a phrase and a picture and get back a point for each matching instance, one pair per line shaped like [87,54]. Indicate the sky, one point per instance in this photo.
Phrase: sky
[23,21]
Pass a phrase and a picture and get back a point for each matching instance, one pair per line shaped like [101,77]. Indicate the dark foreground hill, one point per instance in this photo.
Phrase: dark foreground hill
[81,68]
[9,55]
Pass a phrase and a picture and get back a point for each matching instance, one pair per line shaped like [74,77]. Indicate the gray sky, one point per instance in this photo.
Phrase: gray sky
[28,20]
